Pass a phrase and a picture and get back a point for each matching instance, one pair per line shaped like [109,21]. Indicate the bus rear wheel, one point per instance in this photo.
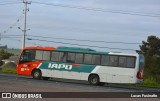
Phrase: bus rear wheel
[36,74]
[93,79]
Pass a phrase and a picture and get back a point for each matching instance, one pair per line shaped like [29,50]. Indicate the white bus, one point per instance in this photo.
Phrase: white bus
[93,66]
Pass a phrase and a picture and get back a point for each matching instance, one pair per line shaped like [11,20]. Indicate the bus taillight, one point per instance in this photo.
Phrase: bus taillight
[140,74]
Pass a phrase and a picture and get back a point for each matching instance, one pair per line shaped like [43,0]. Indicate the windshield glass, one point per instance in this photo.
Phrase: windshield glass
[27,56]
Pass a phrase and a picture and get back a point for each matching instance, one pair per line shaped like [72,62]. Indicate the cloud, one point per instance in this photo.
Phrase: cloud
[65,22]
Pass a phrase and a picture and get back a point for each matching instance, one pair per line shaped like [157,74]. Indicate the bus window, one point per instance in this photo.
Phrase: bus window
[105,60]
[88,58]
[63,56]
[96,59]
[113,61]
[55,56]
[130,62]
[39,54]
[122,61]
[79,58]
[27,55]
[46,55]
[71,57]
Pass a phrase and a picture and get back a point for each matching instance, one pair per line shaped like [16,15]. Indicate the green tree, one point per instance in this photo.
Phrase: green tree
[4,54]
[151,47]
[151,51]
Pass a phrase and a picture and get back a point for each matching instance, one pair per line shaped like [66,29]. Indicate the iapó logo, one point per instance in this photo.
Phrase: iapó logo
[59,66]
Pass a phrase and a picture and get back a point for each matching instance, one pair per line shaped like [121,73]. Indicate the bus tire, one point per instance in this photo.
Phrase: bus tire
[36,74]
[93,79]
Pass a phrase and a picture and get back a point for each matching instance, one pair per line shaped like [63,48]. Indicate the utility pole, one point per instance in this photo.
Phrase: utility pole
[24,22]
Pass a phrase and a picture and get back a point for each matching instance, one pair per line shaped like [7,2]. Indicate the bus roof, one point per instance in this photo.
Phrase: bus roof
[76,49]
[128,54]
[79,50]
[39,48]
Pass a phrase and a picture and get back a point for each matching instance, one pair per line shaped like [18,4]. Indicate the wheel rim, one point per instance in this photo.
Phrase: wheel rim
[94,80]
[36,74]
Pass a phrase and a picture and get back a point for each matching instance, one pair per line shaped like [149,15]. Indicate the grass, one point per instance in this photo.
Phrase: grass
[8,70]
[150,82]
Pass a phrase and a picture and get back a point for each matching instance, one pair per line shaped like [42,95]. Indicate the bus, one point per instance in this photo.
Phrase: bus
[85,64]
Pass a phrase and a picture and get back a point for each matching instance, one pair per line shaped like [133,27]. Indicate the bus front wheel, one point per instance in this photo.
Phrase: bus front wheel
[36,74]
[93,79]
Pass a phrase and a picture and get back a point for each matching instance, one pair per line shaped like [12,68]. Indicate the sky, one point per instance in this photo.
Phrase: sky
[128,21]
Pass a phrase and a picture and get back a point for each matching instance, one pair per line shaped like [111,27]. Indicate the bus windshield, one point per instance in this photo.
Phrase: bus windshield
[27,56]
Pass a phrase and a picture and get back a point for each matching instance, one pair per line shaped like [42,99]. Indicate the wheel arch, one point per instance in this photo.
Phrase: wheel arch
[34,70]
[93,74]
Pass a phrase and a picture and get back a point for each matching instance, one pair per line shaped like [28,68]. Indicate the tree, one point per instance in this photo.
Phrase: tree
[151,47]
[4,54]
[151,51]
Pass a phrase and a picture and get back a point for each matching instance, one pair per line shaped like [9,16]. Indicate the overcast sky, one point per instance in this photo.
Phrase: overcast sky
[141,19]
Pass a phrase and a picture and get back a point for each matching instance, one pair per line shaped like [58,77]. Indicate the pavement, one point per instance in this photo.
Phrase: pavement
[17,83]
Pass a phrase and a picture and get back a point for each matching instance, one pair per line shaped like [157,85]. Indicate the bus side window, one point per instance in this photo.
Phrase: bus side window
[88,58]
[105,60]
[46,55]
[96,59]
[71,57]
[63,56]
[79,58]
[55,56]
[39,54]
[122,61]
[130,62]
[113,61]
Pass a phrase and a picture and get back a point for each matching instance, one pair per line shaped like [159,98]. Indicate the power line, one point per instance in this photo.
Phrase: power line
[10,3]
[18,36]
[95,41]
[7,1]
[14,38]
[13,25]
[118,42]
[102,10]
[10,37]
[80,44]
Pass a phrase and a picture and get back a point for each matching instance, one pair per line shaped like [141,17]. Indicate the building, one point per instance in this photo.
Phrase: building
[3,47]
